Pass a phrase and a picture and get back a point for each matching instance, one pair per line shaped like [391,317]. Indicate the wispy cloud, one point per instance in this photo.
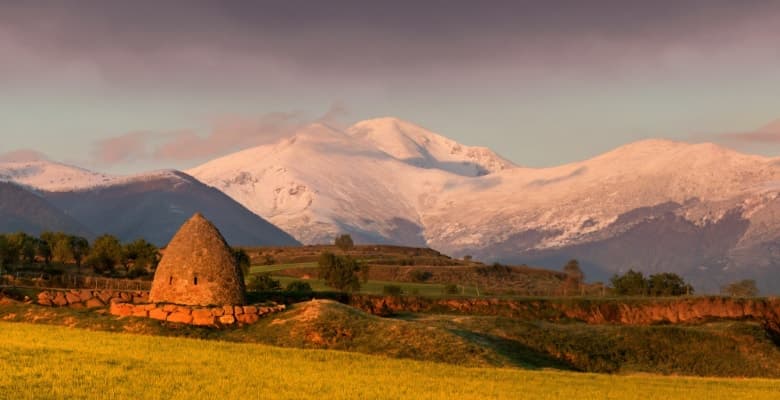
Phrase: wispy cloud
[769,134]
[23,155]
[225,135]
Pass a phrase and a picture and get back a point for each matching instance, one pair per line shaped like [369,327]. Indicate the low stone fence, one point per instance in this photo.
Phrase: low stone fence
[86,298]
[202,316]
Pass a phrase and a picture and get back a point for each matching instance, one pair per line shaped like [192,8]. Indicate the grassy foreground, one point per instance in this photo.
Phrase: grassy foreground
[48,362]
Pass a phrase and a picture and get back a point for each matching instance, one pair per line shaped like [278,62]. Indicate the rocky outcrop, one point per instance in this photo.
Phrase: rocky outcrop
[216,316]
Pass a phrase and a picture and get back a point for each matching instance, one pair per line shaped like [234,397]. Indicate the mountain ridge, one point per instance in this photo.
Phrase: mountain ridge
[715,211]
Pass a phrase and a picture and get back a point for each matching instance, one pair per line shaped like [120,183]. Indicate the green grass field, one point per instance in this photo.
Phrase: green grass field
[48,362]
[377,287]
[370,287]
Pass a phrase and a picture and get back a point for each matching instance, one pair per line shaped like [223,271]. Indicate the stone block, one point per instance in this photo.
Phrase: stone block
[94,303]
[227,320]
[60,300]
[121,309]
[228,310]
[72,298]
[169,307]
[203,319]
[158,314]
[183,310]
[217,311]
[85,295]
[140,312]
[250,310]
[105,296]
[180,317]
[247,318]
[238,310]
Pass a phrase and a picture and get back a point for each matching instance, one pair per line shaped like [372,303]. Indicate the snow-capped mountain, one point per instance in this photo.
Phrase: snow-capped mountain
[153,206]
[40,195]
[425,149]
[48,175]
[699,209]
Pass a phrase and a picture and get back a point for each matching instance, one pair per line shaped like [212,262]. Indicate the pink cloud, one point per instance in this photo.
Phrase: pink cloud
[767,134]
[127,147]
[23,155]
[227,134]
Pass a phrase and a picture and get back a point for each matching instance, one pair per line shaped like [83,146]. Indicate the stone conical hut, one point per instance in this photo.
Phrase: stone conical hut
[198,268]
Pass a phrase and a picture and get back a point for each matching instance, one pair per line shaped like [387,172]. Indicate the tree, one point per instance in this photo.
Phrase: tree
[743,288]
[61,251]
[106,254]
[340,272]
[632,283]
[242,260]
[43,250]
[79,248]
[24,247]
[59,244]
[344,242]
[46,247]
[141,255]
[667,284]
[574,277]
[3,252]
[10,251]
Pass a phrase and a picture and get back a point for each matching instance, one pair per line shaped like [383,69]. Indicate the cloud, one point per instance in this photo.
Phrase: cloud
[23,155]
[124,148]
[225,135]
[769,134]
[228,134]
[260,43]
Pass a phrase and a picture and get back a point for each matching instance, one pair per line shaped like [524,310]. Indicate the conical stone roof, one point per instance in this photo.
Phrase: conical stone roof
[198,268]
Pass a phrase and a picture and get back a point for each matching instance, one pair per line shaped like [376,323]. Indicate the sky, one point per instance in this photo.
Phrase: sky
[131,86]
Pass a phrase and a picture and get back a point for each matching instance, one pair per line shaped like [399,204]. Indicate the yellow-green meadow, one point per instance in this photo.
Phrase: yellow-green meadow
[52,362]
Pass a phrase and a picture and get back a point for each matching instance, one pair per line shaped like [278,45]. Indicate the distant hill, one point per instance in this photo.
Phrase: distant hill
[22,210]
[154,206]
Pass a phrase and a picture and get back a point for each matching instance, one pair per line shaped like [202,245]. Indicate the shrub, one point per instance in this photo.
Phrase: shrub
[344,242]
[137,272]
[264,283]
[743,288]
[299,286]
[451,289]
[421,276]
[392,290]
[632,283]
[340,272]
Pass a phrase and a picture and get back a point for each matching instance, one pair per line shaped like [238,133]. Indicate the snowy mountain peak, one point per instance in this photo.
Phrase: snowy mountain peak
[50,176]
[422,148]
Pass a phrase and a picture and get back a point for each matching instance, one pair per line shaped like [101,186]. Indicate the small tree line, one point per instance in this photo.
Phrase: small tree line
[106,255]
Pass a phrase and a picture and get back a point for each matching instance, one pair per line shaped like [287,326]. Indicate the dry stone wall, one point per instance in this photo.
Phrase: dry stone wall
[193,315]
[136,304]
[88,298]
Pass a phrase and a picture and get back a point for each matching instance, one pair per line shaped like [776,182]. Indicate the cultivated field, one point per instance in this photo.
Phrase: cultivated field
[48,362]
